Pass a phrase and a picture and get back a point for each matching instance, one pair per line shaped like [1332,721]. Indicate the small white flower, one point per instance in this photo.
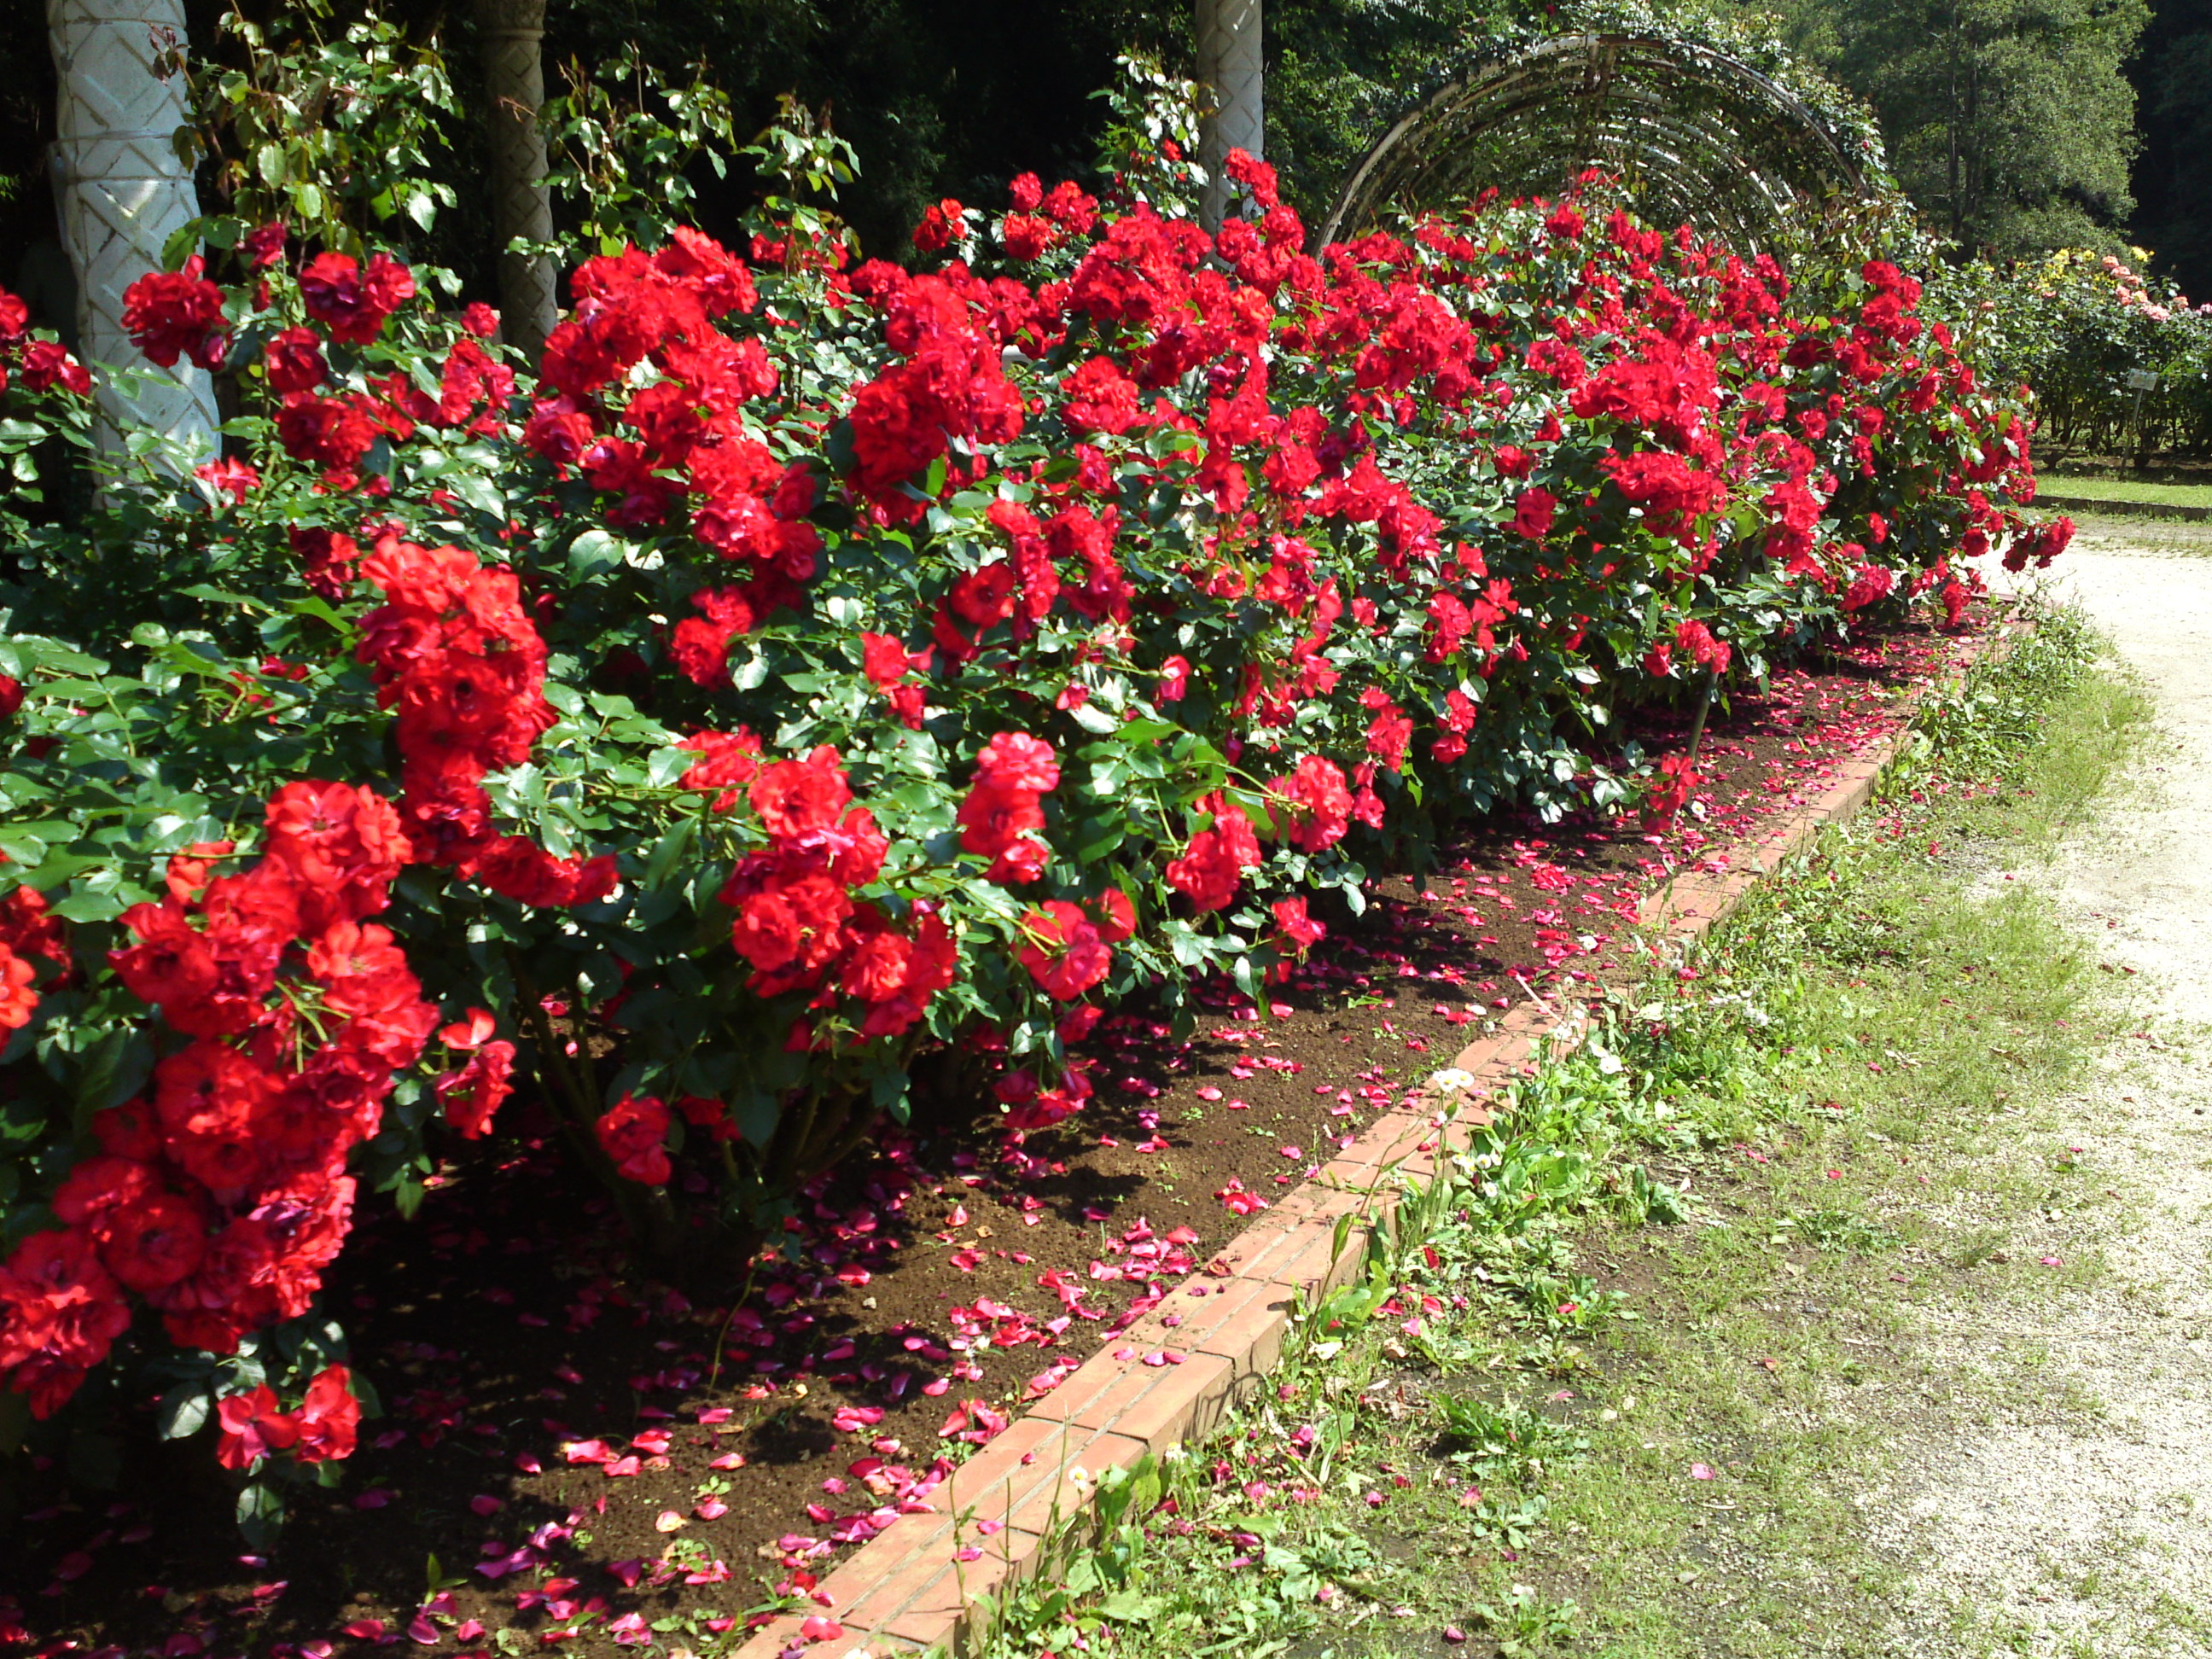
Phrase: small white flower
[1451,1080]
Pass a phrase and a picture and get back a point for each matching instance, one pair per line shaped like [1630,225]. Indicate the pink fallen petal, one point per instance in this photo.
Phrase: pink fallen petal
[626,1573]
[669,1521]
[1702,1472]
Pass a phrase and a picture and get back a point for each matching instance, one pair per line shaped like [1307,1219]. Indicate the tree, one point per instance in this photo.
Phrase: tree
[2009,122]
[2174,176]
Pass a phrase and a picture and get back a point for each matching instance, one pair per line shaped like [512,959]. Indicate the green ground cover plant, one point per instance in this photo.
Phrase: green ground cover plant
[1586,1404]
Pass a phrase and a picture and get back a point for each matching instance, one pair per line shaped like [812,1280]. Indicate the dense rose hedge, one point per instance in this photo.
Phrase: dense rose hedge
[820,690]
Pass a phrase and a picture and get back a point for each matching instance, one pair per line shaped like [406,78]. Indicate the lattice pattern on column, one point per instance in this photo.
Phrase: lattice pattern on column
[1229,64]
[123,193]
[514,75]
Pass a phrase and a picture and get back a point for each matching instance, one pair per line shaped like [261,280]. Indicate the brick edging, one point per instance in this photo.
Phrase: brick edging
[1173,1374]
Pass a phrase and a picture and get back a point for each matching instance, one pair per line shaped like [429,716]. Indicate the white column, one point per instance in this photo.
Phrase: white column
[1229,65]
[123,192]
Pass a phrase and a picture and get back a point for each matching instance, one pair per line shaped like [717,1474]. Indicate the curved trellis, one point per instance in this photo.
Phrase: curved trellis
[1692,134]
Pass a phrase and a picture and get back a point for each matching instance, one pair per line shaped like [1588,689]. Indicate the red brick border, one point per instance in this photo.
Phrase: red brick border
[904,1593]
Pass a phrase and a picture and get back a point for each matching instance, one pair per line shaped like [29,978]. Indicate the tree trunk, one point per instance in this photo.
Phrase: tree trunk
[123,192]
[514,77]
[1229,64]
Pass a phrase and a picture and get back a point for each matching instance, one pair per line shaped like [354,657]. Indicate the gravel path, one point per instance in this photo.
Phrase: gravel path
[2071,1514]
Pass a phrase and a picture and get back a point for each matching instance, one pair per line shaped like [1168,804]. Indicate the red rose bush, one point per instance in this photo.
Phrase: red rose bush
[817,690]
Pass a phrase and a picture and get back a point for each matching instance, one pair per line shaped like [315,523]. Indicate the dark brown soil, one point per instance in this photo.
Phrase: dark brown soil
[506,1336]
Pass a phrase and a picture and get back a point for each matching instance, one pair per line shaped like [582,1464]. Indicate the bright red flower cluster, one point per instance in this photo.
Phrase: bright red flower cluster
[353,301]
[41,365]
[1003,816]
[463,668]
[253,1425]
[221,1198]
[798,922]
[177,313]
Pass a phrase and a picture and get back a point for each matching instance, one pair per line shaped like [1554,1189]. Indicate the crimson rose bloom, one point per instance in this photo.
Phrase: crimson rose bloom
[174,313]
[632,1135]
[46,364]
[472,1093]
[17,997]
[253,1425]
[794,798]
[1068,956]
[351,302]
[329,1417]
[293,360]
[1213,865]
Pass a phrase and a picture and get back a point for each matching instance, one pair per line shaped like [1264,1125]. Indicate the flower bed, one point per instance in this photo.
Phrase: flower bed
[809,704]
[584,1362]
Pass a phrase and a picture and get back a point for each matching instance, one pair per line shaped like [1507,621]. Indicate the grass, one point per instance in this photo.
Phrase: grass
[1624,1386]
[2129,489]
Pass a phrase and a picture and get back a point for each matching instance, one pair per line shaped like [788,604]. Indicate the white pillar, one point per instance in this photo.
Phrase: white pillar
[123,192]
[1229,64]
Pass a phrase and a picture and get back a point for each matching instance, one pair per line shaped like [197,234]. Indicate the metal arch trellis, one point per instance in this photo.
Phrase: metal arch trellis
[1694,134]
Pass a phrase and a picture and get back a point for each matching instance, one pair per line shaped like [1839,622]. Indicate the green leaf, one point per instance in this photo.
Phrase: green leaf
[593,552]
[116,1069]
[260,1514]
[183,1411]
[1128,1606]
[667,851]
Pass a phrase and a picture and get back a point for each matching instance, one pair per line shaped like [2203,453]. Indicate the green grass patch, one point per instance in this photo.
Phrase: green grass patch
[1619,1389]
[2128,489]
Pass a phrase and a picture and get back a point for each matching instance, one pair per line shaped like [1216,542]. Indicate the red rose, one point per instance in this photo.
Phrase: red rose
[633,1135]
[253,1425]
[329,1417]
[293,360]
[1067,956]
[350,302]
[174,313]
[47,364]
[800,797]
